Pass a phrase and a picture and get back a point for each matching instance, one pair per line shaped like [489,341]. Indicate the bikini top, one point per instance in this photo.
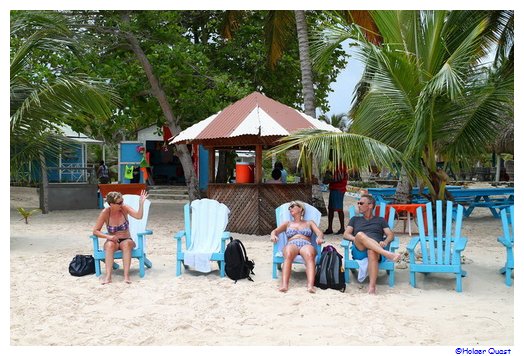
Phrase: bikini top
[113,229]
[290,232]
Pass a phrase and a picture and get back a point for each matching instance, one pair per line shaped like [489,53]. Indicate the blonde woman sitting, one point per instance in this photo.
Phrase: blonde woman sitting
[299,233]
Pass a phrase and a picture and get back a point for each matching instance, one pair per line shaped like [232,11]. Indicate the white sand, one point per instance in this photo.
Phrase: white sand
[50,307]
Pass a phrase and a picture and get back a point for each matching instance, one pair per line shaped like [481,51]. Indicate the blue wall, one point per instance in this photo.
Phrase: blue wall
[203,174]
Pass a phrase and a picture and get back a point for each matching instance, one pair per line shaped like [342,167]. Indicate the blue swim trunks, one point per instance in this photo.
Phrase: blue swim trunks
[360,255]
[336,200]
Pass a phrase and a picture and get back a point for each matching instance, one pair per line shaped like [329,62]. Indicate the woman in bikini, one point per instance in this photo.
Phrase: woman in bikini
[117,237]
[299,233]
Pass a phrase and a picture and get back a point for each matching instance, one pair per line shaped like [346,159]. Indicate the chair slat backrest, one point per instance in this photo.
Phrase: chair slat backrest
[187,224]
[382,213]
[437,247]
[206,222]
[507,224]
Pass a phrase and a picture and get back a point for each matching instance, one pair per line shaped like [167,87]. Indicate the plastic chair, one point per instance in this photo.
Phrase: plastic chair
[440,249]
[205,221]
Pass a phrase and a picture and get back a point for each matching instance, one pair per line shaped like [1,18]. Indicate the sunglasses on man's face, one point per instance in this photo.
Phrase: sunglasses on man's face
[119,203]
[361,203]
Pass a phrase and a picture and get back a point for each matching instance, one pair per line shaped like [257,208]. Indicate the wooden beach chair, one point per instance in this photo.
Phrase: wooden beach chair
[507,216]
[385,264]
[205,221]
[282,214]
[138,232]
[441,250]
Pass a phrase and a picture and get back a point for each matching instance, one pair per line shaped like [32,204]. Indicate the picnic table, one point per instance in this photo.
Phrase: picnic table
[491,198]
[386,194]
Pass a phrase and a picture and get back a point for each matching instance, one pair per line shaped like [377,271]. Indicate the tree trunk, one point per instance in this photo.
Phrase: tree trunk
[308,91]
[403,192]
[182,151]
[44,186]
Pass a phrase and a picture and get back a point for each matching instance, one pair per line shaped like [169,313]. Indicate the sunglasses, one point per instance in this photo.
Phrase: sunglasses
[292,206]
[120,203]
[361,203]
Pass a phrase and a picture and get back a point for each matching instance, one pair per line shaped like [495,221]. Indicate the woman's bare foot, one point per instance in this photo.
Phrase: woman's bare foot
[311,289]
[128,281]
[283,289]
[372,290]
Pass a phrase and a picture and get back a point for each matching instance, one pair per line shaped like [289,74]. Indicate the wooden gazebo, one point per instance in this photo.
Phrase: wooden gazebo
[255,122]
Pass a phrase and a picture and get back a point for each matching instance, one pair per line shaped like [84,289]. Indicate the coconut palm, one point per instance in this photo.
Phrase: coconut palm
[430,93]
[40,104]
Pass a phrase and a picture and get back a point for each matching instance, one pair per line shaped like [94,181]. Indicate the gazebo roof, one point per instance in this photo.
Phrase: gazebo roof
[253,120]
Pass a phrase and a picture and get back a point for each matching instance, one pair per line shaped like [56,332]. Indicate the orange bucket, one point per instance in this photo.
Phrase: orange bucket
[245,172]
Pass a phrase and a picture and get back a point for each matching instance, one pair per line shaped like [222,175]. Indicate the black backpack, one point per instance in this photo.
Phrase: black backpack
[82,265]
[330,270]
[238,266]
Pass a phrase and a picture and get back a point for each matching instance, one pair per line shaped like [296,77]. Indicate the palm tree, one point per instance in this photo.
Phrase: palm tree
[39,105]
[337,120]
[430,91]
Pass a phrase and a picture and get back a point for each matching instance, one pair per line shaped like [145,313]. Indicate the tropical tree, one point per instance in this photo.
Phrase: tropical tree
[337,120]
[43,97]
[431,92]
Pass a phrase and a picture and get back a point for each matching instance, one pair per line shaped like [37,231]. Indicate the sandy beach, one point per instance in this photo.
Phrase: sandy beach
[50,307]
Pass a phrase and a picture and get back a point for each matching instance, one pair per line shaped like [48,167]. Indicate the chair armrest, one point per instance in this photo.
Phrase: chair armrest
[394,245]
[505,242]
[460,244]
[145,232]
[226,235]
[179,235]
[413,243]
[345,243]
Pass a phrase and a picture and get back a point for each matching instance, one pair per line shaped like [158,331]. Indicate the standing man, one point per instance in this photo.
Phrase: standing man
[337,189]
[367,234]
[103,173]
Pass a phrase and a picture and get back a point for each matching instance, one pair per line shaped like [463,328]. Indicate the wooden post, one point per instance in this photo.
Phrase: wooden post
[258,164]
[211,165]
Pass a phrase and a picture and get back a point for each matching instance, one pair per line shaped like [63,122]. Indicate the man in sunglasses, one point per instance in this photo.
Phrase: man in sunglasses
[367,234]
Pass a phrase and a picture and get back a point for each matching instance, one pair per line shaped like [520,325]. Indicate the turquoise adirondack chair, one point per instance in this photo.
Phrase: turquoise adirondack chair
[507,217]
[385,265]
[138,232]
[283,214]
[205,221]
[441,250]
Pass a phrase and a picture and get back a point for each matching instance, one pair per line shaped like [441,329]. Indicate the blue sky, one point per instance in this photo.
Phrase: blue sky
[340,98]
[343,88]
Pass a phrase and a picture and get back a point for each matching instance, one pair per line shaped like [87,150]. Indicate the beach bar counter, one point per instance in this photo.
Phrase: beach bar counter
[255,122]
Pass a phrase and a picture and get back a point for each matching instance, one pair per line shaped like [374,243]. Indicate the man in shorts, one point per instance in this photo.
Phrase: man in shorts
[367,234]
[337,189]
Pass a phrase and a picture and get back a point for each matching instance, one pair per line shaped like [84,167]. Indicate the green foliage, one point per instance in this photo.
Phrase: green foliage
[44,96]
[428,91]
[26,214]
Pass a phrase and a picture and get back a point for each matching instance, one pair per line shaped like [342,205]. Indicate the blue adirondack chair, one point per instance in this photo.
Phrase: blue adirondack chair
[205,221]
[441,250]
[507,217]
[385,265]
[138,232]
[283,214]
